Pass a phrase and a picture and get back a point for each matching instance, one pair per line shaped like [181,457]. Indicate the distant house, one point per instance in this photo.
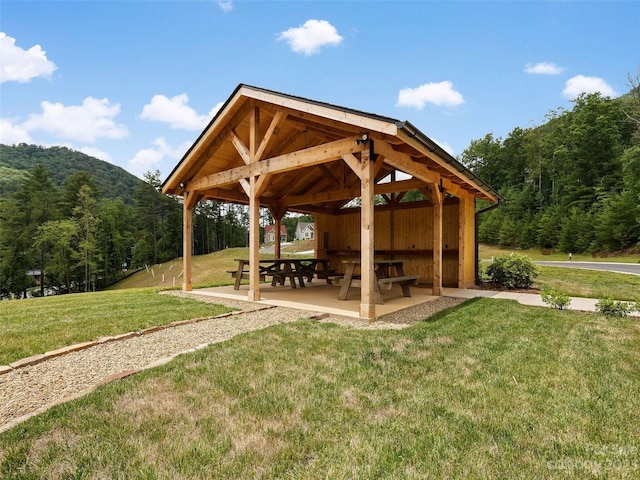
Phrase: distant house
[305,231]
[270,234]
[36,275]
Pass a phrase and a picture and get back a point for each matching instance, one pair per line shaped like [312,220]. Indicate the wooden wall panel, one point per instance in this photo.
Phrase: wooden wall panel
[405,234]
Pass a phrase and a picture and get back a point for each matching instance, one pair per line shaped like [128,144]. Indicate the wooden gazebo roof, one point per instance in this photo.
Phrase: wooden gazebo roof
[306,154]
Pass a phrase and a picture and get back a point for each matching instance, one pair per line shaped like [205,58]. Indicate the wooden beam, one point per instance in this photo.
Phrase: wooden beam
[278,118]
[329,174]
[349,193]
[240,147]
[283,163]
[353,163]
[254,243]
[367,238]
[307,109]
[462,233]
[262,183]
[187,235]
[276,250]
[191,200]
[405,163]
[224,194]
[254,132]
[437,240]
[244,183]
[437,160]
[205,148]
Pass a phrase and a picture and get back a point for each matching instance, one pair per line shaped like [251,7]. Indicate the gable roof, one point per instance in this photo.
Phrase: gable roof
[305,150]
[302,225]
[270,228]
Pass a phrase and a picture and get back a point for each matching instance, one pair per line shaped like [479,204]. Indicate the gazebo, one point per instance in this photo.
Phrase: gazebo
[377,187]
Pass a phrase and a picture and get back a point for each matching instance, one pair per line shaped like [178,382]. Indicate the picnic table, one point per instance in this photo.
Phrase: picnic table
[281,269]
[387,273]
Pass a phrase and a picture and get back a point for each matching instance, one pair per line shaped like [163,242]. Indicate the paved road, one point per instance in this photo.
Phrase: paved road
[272,248]
[632,268]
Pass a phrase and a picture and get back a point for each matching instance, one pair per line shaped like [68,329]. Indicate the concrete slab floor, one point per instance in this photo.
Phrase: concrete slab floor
[318,296]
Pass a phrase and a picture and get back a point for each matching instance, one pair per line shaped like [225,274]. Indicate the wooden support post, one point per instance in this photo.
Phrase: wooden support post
[187,235]
[437,199]
[254,211]
[276,250]
[254,243]
[367,237]
[462,201]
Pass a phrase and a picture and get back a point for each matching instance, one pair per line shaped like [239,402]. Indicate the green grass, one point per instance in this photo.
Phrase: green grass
[29,327]
[491,389]
[589,283]
[206,270]
[488,251]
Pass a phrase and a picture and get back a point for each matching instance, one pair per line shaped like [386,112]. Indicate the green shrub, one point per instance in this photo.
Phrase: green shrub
[614,308]
[555,299]
[513,271]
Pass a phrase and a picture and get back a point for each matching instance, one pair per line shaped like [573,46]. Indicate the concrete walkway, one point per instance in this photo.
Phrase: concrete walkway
[532,299]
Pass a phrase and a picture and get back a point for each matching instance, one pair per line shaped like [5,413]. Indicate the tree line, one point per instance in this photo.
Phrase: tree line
[572,184]
[77,239]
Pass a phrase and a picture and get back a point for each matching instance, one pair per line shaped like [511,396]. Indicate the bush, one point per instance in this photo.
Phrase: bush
[555,299]
[513,271]
[614,308]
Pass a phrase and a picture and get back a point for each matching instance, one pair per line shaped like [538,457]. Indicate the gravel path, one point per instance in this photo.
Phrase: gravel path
[30,390]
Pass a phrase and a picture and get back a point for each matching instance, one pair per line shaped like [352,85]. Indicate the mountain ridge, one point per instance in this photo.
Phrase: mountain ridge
[62,162]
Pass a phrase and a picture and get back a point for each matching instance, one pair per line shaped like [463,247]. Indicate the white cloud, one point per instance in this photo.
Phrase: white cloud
[13,134]
[149,158]
[84,123]
[226,6]
[20,65]
[176,112]
[581,84]
[543,68]
[311,36]
[441,94]
[96,153]
[445,146]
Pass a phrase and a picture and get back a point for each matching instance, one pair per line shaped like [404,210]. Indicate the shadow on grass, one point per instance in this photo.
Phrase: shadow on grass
[446,311]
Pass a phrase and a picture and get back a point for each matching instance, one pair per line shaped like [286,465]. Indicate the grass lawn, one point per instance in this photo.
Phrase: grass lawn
[589,283]
[488,251]
[29,327]
[490,389]
[207,270]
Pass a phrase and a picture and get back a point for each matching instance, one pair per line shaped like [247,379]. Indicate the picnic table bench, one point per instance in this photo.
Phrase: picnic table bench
[281,269]
[388,273]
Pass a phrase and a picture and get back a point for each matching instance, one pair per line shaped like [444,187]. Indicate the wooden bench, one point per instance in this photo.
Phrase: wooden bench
[334,279]
[404,282]
[280,276]
[322,274]
[244,275]
[309,268]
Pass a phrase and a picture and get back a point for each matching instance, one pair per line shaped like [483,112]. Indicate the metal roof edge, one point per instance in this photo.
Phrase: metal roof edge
[381,118]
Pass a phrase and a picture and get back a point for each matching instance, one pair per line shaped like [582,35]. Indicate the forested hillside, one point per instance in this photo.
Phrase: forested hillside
[84,222]
[61,162]
[572,184]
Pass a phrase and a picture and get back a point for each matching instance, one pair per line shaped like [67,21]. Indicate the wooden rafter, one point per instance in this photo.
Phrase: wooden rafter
[206,148]
[283,163]
[350,193]
[278,118]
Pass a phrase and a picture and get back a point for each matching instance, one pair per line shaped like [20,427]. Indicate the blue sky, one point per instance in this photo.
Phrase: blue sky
[134,83]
